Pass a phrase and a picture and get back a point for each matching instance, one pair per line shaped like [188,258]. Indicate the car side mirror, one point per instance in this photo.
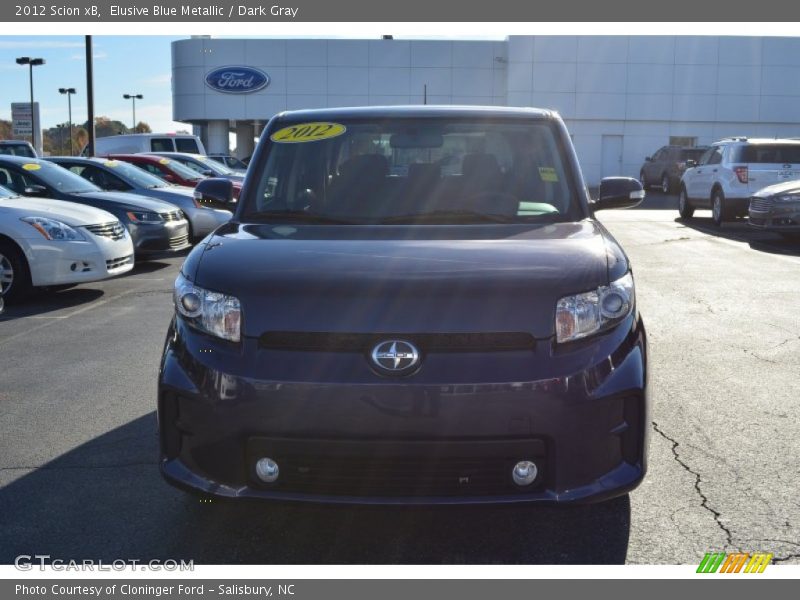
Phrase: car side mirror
[690,162]
[618,192]
[215,192]
[648,159]
[168,177]
[35,190]
[208,173]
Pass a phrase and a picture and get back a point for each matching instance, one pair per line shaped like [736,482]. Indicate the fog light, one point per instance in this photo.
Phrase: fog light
[267,470]
[524,472]
[191,303]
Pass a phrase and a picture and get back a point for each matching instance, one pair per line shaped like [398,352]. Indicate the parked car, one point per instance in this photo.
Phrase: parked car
[666,167]
[777,208]
[119,176]
[233,163]
[203,165]
[45,242]
[731,171]
[17,148]
[133,143]
[357,337]
[156,228]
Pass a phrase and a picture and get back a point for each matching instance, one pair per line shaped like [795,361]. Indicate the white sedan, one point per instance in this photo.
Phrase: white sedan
[47,242]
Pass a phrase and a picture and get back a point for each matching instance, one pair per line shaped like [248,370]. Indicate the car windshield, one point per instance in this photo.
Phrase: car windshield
[137,176]
[181,170]
[58,178]
[199,165]
[17,150]
[436,170]
[7,193]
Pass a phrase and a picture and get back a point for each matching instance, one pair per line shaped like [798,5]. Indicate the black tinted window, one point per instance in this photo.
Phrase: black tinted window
[187,145]
[692,153]
[767,153]
[161,145]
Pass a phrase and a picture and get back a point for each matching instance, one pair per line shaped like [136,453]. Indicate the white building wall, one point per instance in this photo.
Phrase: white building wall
[644,88]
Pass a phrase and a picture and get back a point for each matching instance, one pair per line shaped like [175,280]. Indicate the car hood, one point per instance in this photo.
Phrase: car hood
[127,200]
[169,193]
[387,279]
[71,213]
[787,187]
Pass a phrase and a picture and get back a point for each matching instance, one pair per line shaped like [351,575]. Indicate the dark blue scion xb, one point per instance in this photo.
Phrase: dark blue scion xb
[411,305]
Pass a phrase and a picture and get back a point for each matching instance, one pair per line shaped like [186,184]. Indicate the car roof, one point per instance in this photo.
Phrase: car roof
[14,143]
[416,111]
[20,160]
[145,155]
[191,154]
[747,141]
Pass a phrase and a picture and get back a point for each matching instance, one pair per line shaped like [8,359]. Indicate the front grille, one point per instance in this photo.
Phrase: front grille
[179,241]
[399,468]
[174,215]
[761,204]
[113,230]
[427,342]
[116,263]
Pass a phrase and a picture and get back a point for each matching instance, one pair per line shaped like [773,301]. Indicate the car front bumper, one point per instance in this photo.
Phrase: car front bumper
[160,239]
[61,263]
[396,442]
[774,216]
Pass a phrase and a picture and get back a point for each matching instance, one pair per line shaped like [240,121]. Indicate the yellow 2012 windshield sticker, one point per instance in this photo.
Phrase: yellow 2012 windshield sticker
[164,161]
[31,167]
[548,174]
[111,163]
[307,132]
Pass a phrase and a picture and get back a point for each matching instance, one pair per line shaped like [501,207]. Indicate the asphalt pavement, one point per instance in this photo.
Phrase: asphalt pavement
[78,468]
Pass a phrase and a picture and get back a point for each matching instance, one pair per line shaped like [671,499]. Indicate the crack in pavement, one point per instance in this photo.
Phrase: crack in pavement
[697,480]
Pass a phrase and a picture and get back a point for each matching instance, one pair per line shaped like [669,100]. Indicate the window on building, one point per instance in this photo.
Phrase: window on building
[682,140]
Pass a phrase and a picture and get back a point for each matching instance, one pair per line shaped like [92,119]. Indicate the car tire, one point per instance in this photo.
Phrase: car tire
[15,276]
[666,186]
[719,212]
[685,209]
[643,179]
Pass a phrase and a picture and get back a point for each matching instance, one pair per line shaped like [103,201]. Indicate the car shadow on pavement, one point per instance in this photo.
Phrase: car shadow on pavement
[740,231]
[45,301]
[105,500]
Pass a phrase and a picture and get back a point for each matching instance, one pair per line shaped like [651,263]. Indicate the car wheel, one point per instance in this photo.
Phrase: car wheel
[665,186]
[643,179]
[719,213]
[15,278]
[685,209]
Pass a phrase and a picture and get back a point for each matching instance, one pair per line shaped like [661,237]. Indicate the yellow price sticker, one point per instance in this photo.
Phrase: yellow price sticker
[548,174]
[164,161]
[31,167]
[111,163]
[308,132]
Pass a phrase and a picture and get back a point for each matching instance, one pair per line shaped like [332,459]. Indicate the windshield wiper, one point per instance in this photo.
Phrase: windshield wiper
[296,216]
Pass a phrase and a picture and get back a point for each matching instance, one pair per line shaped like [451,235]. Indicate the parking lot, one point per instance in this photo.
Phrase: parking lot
[79,477]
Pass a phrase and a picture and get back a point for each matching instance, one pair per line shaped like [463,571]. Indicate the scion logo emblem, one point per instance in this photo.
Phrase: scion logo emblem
[395,357]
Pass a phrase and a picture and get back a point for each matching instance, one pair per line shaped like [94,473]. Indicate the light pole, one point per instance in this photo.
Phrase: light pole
[69,92]
[133,98]
[31,62]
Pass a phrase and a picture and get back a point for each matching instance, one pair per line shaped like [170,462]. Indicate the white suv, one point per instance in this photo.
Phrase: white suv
[734,169]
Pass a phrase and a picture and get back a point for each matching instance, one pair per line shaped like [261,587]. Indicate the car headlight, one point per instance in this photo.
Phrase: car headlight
[582,315]
[217,314]
[53,230]
[144,217]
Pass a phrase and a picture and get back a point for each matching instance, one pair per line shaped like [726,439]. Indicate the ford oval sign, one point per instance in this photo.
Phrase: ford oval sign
[237,80]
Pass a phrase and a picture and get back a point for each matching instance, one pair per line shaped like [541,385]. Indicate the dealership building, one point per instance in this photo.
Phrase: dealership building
[622,97]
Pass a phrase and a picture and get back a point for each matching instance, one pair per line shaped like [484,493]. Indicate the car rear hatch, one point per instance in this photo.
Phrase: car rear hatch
[761,165]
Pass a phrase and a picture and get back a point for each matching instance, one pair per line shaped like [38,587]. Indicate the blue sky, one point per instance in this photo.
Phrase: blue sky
[123,64]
